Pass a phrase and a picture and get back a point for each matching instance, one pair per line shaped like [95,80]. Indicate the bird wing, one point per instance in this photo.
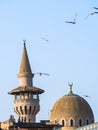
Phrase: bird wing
[40,73]
[95,12]
[46,74]
[73,22]
[75,17]
[69,22]
[90,14]
[95,8]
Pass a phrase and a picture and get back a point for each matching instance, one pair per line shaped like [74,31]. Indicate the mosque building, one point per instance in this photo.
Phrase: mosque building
[70,112]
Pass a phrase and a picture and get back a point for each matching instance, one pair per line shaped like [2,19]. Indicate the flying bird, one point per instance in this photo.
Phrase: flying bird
[91,14]
[95,8]
[45,39]
[86,96]
[94,13]
[42,74]
[72,22]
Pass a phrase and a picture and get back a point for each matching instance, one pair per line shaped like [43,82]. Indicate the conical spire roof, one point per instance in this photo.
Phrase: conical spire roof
[25,69]
[25,77]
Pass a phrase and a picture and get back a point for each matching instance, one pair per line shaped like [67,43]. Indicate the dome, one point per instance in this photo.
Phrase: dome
[72,110]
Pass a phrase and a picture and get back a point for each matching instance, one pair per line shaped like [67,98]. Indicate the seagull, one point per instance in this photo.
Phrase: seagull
[91,14]
[86,96]
[42,74]
[73,22]
[45,39]
[94,13]
[95,8]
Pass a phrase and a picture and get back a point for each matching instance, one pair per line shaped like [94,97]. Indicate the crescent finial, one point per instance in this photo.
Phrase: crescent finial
[24,43]
[70,87]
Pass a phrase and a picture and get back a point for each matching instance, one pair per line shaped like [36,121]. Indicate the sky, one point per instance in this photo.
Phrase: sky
[69,55]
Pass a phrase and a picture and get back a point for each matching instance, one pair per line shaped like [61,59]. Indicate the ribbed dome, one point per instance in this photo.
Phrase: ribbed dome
[72,109]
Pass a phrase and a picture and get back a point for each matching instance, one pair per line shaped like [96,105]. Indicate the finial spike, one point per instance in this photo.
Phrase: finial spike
[24,43]
[70,88]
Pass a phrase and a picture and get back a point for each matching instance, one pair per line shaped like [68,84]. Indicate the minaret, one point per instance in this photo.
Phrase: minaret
[26,96]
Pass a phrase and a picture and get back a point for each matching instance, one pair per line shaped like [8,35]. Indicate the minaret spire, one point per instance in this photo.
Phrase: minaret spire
[25,74]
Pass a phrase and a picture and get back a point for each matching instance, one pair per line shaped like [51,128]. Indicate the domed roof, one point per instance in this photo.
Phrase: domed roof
[73,107]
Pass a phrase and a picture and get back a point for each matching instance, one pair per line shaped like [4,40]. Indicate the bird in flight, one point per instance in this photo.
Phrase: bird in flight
[42,74]
[95,8]
[91,14]
[86,96]
[72,22]
[45,39]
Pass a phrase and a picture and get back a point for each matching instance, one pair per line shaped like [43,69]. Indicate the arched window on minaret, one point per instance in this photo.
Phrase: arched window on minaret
[34,109]
[19,119]
[26,110]
[17,97]
[30,110]
[25,95]
[35,96]
[21,110]
[22,119]
[25,119]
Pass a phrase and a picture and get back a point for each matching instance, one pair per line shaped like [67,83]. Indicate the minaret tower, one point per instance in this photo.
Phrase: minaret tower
[26,96]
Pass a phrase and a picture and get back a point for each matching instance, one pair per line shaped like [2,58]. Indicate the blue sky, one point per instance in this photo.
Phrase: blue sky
[70,55]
